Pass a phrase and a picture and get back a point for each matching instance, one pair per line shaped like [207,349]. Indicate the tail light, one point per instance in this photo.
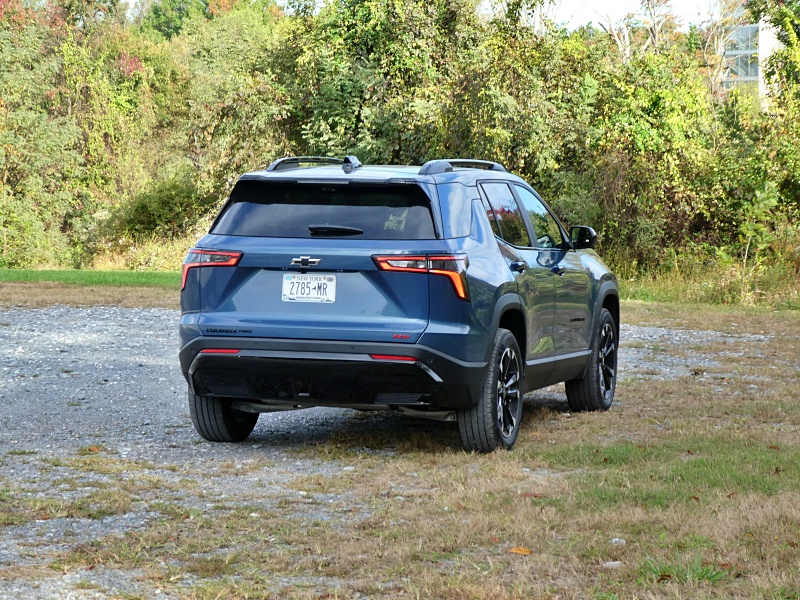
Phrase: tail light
[452,266]
[208,258]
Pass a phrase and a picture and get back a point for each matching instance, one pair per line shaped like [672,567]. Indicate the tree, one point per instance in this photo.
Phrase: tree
[39,165]
[723,18]
[783,67]
[167,16]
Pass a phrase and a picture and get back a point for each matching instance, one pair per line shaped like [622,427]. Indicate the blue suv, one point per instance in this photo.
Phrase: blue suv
[445,291]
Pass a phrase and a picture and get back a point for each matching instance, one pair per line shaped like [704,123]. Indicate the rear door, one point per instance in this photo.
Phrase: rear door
[572,323]
[534,281]
[310,265]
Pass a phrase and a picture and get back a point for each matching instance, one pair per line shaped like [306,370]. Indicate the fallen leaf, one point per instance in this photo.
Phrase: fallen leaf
[774,447]
[696,498]
[496,540]
[93,448]
[690,452]
[792,544]
[731,495]
[521,550]
[778,470]
[664,577]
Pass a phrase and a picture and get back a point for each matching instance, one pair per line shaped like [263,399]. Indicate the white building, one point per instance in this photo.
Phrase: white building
[746,53]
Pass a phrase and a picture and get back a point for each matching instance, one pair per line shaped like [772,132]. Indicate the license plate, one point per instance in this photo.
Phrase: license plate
[309,288]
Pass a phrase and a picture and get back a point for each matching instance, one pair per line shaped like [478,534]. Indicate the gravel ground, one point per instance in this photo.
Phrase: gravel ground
[107,380]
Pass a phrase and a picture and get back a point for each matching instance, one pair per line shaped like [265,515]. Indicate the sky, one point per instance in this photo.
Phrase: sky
[575,13]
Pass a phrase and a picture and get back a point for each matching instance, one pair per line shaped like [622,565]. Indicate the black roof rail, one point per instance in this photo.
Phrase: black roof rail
[293,162]
[446,165]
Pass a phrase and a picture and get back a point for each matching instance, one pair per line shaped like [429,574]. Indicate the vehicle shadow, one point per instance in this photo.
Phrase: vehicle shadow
[329,430]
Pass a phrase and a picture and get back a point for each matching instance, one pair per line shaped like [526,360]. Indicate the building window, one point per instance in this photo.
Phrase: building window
[741,56]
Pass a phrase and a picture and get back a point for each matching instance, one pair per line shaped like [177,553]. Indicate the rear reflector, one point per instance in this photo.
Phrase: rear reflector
[208,258]
[393,357]
[219,351]
[452,266]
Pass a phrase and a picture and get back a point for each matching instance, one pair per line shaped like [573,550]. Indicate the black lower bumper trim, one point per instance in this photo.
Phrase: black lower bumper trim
[330,373]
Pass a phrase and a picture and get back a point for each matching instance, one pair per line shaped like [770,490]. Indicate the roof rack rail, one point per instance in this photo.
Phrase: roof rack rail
[293,162]
[446,165]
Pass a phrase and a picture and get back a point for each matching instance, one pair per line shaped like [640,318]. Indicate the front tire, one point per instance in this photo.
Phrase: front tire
[216,420]
[595,391]
[495,421]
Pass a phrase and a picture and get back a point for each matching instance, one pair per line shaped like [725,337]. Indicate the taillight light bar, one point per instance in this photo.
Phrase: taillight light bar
[219,351]
[208,258]
[452,266]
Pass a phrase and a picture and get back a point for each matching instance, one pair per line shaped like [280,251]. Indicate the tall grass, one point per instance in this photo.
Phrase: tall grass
[713,282]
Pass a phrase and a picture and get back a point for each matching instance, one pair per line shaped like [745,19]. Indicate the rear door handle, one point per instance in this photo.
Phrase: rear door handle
[518,266]
[558,270]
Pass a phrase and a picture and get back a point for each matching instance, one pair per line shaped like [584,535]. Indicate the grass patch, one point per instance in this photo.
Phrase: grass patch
[94,278]
[19,508]
[21,452]
[680,569]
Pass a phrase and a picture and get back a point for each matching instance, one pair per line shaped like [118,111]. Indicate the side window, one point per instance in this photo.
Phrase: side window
[507,214]
[492,220]
[545,227]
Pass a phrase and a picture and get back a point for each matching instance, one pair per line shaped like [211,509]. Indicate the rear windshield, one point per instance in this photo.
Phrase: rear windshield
[381,212]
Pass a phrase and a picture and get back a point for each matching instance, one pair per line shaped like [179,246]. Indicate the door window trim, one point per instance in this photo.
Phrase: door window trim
[487,203]
[565,245]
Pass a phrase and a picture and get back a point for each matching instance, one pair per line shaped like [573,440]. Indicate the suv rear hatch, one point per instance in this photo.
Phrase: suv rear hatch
[338,261]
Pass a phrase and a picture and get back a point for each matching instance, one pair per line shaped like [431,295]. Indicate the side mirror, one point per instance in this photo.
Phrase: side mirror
[582,237]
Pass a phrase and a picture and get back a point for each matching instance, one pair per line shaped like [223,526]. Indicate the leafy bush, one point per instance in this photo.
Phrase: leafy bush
[170,208]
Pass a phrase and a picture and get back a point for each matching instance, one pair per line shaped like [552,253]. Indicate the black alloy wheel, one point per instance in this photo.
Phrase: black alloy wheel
[595,390]
[495,420]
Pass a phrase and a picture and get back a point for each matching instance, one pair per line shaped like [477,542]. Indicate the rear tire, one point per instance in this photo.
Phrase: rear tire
[494,422]
[595,391]
[216,420]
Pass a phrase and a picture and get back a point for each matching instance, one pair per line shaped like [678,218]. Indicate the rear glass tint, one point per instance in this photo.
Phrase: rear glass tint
[381,212]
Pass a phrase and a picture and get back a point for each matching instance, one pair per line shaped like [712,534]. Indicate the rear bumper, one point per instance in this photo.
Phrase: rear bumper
[330,373]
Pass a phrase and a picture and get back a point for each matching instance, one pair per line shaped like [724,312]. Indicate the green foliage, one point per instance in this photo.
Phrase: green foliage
[168,208]
[784,63]
[167,16]
[38,161]
[118,135]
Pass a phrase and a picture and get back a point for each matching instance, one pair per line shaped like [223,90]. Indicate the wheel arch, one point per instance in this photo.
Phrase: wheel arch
[510,315]
[608,298]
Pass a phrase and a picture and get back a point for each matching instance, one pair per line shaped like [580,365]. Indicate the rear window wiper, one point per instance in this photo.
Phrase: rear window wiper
[334,230]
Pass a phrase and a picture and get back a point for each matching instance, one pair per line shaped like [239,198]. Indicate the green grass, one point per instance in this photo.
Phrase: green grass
[88,277]
[681,569]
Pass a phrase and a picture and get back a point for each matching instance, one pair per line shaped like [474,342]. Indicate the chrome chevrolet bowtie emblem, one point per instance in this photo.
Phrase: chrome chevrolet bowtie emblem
[305,261]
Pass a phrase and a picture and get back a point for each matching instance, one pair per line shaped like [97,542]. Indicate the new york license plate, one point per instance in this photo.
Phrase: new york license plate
[309,288]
